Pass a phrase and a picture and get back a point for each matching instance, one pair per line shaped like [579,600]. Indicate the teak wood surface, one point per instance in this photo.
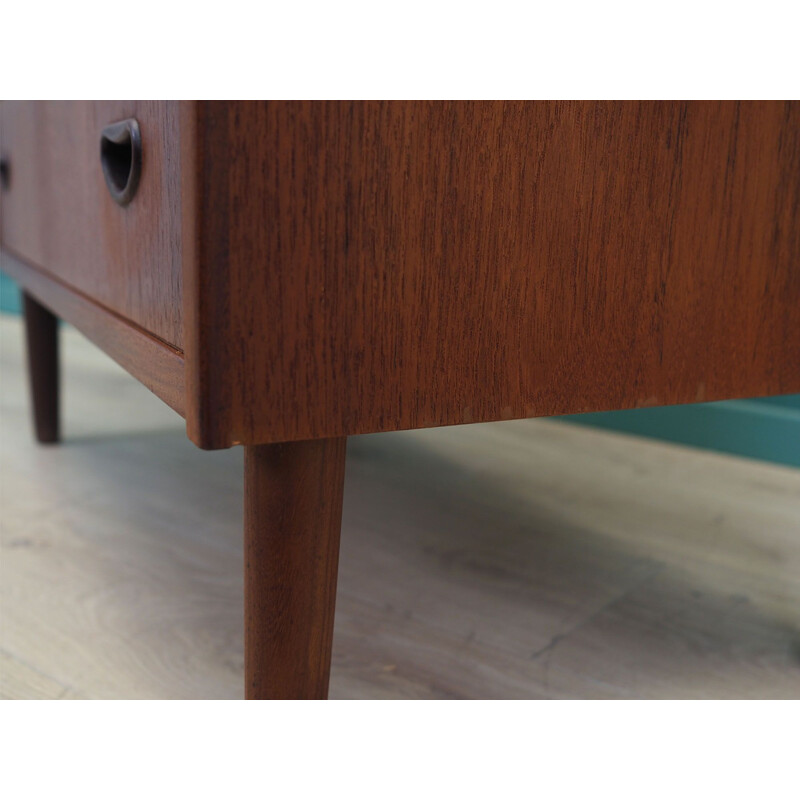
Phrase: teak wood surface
[292,517]
[58,214]
[41,343]
[359,267]
[153,362]
[292,273]
[355,267]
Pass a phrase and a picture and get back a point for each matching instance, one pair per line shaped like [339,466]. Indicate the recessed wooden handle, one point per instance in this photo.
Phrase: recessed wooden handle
[121,159]
[5,173]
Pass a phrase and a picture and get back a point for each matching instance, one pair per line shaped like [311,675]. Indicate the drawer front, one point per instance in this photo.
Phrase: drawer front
[59,215]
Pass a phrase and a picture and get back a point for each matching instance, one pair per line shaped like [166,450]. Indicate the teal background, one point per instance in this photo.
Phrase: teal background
[767,428]
[9,295]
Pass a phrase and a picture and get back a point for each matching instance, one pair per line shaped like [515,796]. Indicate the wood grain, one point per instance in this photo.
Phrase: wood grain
[153,362]
[41,343]
[57,212]
[358,267]
[292,518]
[355,267]
[529,559]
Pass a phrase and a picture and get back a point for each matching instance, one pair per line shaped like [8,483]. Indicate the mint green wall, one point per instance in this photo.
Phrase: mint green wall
[768,428]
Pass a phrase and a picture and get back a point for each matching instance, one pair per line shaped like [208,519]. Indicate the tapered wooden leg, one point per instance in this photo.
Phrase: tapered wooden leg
[41,330]
[292,518]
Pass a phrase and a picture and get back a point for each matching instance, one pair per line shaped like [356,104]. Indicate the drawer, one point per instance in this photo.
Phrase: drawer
[59,215]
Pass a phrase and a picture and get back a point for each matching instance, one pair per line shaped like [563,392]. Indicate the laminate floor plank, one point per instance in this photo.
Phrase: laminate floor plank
[516,559]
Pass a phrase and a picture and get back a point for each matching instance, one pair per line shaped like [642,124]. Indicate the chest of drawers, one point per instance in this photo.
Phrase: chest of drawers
[285,275]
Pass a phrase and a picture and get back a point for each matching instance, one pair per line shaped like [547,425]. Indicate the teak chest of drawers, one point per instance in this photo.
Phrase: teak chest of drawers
[285,275]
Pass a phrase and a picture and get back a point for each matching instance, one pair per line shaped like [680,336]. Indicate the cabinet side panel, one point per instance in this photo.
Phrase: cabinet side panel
[379,266]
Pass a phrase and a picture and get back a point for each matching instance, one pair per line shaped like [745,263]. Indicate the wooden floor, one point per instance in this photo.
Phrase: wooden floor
[519,559]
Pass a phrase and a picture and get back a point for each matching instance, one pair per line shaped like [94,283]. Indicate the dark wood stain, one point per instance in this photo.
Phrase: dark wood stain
[41,343]
[325,269]
[59,215]
[157,365]
[292,517]
[377,266]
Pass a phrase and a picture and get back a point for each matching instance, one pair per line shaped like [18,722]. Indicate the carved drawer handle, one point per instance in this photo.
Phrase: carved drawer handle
[5,173]
[121,158]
